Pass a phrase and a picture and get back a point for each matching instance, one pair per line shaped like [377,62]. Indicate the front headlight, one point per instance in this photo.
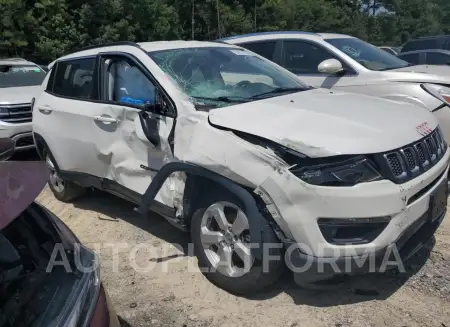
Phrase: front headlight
[345,173]
[438,91]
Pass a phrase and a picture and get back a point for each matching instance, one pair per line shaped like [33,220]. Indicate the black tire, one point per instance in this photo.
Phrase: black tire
[255,280]
[70,190]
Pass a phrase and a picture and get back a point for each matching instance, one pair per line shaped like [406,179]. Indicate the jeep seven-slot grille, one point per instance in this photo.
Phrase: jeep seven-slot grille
[16,113]
[410,161]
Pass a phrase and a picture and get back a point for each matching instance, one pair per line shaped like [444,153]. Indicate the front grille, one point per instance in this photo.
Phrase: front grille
[16,113]
[410,161]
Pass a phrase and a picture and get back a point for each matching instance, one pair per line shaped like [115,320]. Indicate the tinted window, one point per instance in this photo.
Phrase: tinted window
[421,44]
[303,57]
[411,58]
[265,49]
[435,58]
[74,78]
[127,84]
[20,75]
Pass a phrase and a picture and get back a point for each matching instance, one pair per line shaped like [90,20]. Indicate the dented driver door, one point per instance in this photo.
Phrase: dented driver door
[133,130]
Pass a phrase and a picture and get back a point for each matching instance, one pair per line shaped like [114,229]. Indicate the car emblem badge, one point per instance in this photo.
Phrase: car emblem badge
[423,129]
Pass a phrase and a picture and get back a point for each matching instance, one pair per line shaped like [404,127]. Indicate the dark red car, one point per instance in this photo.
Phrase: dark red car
[47,278]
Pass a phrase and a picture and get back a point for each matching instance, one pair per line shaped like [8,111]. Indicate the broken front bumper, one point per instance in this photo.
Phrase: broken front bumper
[309,268]
[297,207]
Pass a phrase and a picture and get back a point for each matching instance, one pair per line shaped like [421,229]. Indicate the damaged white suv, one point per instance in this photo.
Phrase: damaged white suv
[260,168]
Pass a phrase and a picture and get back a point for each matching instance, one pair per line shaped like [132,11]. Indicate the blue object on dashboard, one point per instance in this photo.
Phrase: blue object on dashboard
[135,101]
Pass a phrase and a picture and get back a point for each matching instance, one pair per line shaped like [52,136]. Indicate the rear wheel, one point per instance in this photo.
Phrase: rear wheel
[221,235]
[62,190]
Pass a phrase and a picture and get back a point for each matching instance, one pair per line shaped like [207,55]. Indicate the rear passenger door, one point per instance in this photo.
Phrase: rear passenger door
[64,115]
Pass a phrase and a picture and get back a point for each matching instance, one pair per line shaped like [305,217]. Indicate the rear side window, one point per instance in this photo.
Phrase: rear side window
[411,58]
[420,44]
[264,49]
[73,78]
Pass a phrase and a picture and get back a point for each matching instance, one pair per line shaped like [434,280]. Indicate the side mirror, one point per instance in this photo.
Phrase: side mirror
[7,147]
[331,66]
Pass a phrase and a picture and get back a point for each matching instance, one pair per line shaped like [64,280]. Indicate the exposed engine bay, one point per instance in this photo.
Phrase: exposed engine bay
[29,296]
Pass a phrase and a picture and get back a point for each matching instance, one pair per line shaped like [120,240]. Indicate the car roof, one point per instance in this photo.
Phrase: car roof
[145,46]
[15,61]
[282,34]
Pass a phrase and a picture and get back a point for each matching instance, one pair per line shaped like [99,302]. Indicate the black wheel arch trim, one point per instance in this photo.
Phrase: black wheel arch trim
[256,219]
[39,139]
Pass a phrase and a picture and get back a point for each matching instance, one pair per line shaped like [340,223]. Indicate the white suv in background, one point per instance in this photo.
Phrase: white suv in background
[235,149]
[20,81]
[345,63]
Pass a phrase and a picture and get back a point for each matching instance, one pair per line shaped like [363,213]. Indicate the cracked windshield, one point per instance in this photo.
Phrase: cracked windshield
[222,76]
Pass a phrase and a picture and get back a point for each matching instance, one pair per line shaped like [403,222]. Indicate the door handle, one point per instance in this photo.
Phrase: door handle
[105,119]
[45,110]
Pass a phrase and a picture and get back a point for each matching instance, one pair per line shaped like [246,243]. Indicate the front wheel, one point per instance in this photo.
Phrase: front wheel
[62,190]
[221,236]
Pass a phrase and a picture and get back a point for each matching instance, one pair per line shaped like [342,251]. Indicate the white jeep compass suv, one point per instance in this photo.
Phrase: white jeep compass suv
[260,168]
[19,83]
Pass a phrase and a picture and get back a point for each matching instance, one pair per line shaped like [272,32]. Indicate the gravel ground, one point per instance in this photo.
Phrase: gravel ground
[173,293]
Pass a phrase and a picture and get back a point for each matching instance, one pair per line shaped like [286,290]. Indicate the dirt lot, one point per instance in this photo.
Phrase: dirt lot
[183,297]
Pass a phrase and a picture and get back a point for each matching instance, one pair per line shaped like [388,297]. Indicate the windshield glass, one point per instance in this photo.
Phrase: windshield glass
[367,54]
[20,75]
[221,76]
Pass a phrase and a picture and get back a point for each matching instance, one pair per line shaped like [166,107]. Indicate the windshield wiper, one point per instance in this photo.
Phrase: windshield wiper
[279,90]
[223,99]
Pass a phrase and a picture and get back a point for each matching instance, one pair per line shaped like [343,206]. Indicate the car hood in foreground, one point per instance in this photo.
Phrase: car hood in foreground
[18,95]
[20,184]
[321,123]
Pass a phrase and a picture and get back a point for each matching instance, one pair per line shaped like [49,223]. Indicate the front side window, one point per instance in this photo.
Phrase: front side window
[368,55]
[13,75]
[222,76]
[303,57]
[74,78]
[127,84]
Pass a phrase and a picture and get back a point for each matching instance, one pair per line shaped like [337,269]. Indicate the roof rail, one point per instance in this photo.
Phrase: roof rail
[110,44]
[14,59]
[264,33]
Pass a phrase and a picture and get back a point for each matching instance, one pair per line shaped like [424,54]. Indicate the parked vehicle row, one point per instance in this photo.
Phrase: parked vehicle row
[238,151]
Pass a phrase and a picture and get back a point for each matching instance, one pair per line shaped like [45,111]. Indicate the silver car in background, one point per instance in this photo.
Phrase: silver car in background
[346,63]
[20,81]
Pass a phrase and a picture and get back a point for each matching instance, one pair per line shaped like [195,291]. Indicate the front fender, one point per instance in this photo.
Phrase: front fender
[254,215]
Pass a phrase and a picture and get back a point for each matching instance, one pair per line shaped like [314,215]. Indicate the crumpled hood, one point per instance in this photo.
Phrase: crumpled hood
[16,95]
[321,123]
[420,74]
